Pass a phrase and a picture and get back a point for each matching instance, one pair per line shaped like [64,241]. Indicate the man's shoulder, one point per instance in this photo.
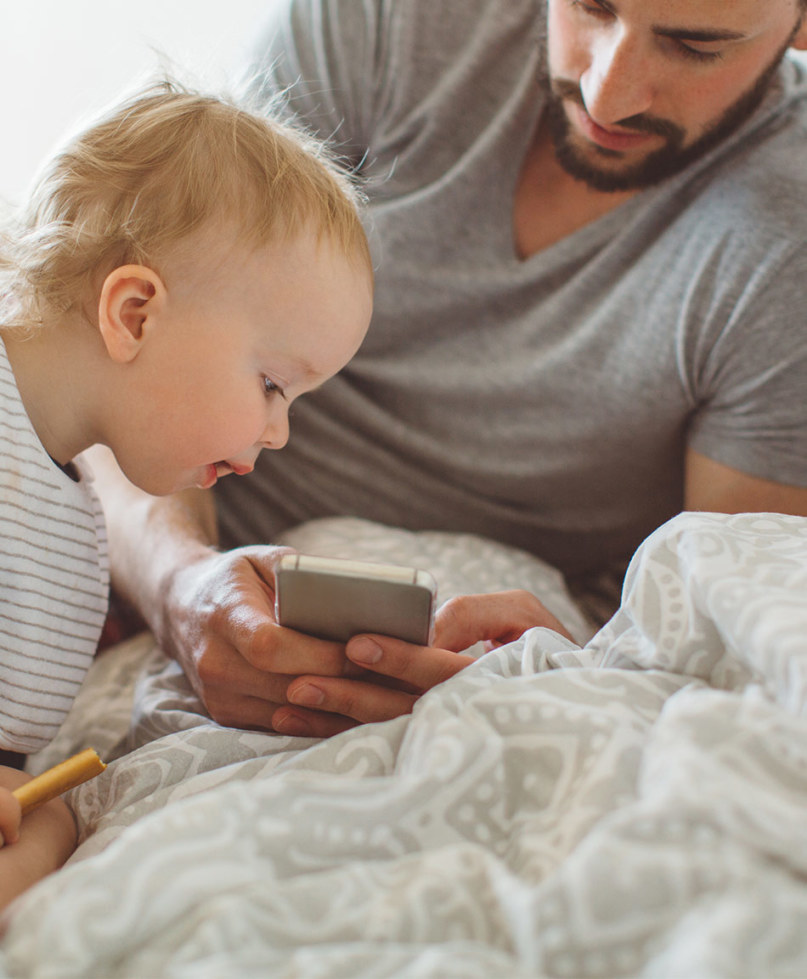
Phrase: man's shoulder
[433,36]
[781,133]
[758,184]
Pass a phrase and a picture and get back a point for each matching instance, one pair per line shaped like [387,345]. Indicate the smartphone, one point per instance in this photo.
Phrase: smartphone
[332,598]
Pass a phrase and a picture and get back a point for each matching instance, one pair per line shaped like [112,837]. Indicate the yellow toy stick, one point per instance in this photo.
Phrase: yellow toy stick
[66,775]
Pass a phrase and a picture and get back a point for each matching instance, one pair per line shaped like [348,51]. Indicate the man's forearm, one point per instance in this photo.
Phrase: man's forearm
[715,487]
[150,537]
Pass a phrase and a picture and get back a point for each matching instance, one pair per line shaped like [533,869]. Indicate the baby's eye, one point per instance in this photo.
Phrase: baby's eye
[269,387]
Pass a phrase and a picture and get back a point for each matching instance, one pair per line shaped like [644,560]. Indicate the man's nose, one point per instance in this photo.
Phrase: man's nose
[618,83]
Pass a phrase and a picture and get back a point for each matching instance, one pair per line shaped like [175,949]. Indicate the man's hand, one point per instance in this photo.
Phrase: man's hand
[407,670]
[219,624]
[495,619]
[214,613]
[211,611]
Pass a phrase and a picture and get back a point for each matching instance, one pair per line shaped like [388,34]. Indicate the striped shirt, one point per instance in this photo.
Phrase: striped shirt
[54,579]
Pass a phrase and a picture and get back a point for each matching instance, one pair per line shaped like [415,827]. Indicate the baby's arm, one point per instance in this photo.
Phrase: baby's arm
[33,848]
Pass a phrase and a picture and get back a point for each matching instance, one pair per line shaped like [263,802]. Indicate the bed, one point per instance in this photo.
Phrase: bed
[632,804]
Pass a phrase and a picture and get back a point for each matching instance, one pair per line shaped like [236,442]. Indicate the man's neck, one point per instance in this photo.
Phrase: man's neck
[549,204]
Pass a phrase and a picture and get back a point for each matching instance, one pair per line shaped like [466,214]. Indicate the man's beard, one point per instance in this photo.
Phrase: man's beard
[664,162]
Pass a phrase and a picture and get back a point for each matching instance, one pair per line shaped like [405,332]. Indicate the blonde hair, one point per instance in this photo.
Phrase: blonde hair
[149,174]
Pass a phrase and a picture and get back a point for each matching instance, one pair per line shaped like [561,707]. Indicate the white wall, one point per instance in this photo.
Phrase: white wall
[62,60]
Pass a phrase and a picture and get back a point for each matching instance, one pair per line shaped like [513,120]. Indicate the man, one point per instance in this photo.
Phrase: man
[589,222]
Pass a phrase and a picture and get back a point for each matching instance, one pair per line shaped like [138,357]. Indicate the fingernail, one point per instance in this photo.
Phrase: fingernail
[306,695]
[292,726]
[364,651]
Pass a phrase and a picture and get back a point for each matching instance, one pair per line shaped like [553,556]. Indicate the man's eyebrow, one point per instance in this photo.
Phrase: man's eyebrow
[698,34]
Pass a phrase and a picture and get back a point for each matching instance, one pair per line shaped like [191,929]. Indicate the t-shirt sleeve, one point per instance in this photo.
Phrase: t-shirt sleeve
[752,382]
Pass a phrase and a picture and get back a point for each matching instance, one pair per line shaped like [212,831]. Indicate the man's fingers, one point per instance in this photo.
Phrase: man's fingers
[271,648]
[296,722]
[363,702]
[418,667]
[500,617]
[468,619]
[421,666]
[256,714]
[247,692]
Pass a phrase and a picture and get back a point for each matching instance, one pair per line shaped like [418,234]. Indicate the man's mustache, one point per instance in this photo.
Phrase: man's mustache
[641,123]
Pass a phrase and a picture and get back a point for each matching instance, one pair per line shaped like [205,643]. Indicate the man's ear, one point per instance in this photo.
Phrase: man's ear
[131,298]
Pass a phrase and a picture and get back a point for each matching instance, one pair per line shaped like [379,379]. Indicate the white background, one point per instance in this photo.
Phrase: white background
[63,60]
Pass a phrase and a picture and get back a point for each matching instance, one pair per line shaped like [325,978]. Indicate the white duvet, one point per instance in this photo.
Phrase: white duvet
[635,806]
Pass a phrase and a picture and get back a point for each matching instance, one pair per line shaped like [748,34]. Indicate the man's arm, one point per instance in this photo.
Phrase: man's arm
[212,611]
[711,486]
[150,536]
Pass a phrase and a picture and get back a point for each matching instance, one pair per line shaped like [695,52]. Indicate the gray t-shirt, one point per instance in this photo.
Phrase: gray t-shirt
[546,403]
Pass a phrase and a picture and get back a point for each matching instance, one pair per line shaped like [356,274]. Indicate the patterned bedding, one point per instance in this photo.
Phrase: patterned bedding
[630,806]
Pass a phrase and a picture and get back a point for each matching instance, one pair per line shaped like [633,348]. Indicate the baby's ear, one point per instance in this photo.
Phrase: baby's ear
[130,299]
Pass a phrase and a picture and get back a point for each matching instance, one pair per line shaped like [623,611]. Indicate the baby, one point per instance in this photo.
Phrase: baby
[183,271]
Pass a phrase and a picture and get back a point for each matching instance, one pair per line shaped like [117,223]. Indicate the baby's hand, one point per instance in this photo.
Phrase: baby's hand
[10,817]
